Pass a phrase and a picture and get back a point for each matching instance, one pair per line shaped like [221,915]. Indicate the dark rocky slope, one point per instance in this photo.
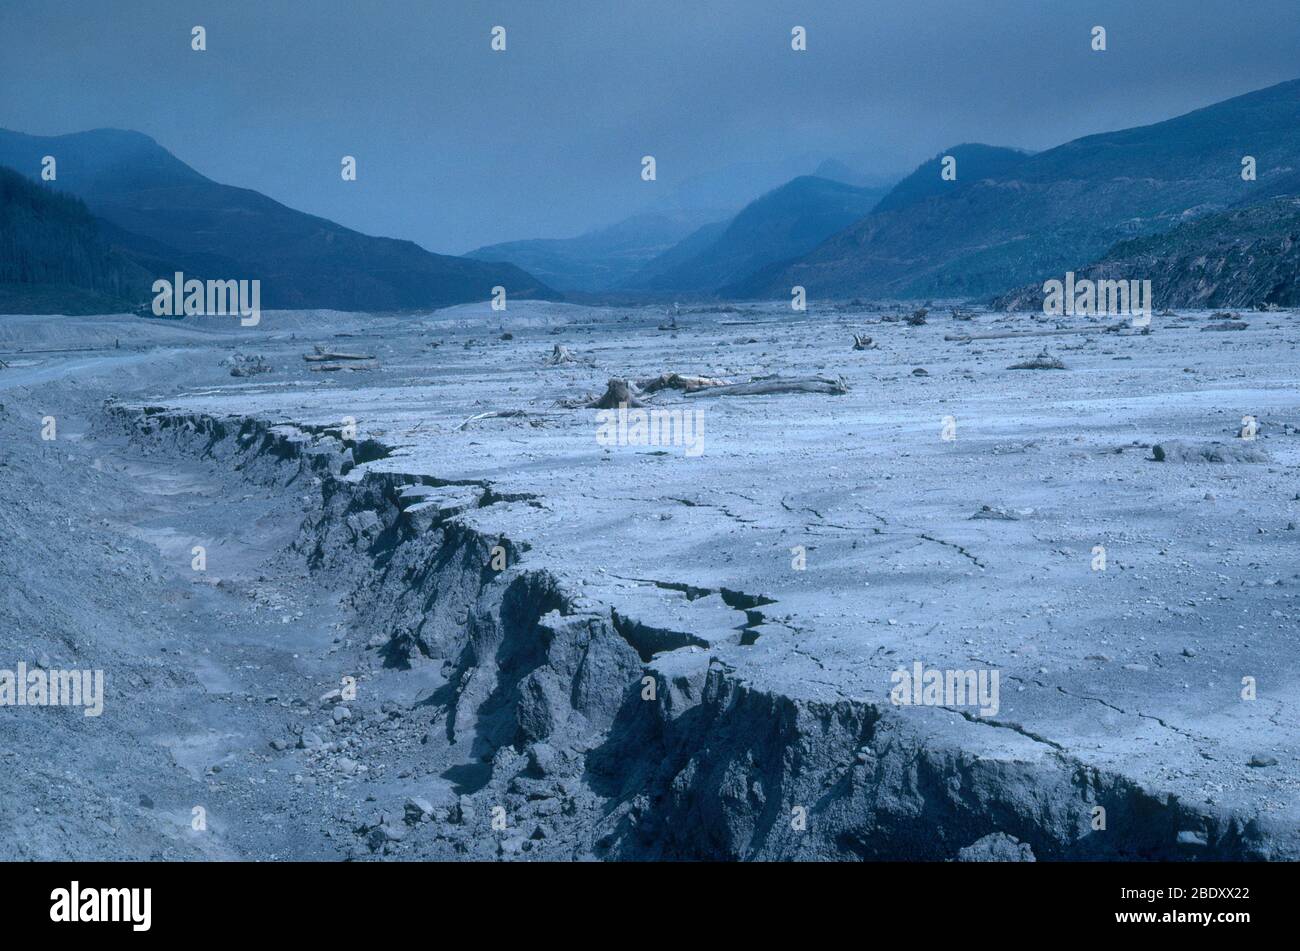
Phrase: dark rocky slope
[1055,209]
[1245,258]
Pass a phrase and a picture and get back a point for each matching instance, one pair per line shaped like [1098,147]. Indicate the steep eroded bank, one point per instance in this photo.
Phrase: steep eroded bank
[546,708]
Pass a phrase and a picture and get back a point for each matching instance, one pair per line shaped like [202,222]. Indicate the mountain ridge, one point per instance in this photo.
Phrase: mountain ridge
[1056,209]
[782,223]
[53,257]
[155,202]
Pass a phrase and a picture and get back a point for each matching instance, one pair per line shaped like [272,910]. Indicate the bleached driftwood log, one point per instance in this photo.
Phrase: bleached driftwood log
[350,365]
[815,384]
[491,414]
[321,355]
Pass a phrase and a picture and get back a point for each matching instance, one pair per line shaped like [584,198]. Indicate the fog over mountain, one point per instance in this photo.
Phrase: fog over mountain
[458,146]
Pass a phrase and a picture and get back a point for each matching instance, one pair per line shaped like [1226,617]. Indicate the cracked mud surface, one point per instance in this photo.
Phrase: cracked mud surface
[520,690]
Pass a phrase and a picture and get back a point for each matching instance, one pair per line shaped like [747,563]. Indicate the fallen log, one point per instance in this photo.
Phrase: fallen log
[815,384]
[22,353]
[677,381]
[351,365]
[1008,334]
[491,414]
[1178,451]
[322,355]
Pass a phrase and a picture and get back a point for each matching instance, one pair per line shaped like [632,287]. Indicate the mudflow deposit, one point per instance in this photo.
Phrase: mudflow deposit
[376,588]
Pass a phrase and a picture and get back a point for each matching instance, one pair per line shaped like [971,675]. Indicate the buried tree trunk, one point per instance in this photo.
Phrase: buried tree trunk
[617,393]
[1044,361]
[561,354]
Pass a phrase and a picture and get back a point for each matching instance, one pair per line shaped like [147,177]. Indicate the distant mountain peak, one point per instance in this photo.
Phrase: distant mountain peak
[783,223]
[975,161]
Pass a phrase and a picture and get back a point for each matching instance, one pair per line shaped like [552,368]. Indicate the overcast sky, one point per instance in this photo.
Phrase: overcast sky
[459,146]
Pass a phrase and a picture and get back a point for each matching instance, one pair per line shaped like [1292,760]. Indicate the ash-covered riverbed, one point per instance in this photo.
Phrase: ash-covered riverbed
[419,631]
